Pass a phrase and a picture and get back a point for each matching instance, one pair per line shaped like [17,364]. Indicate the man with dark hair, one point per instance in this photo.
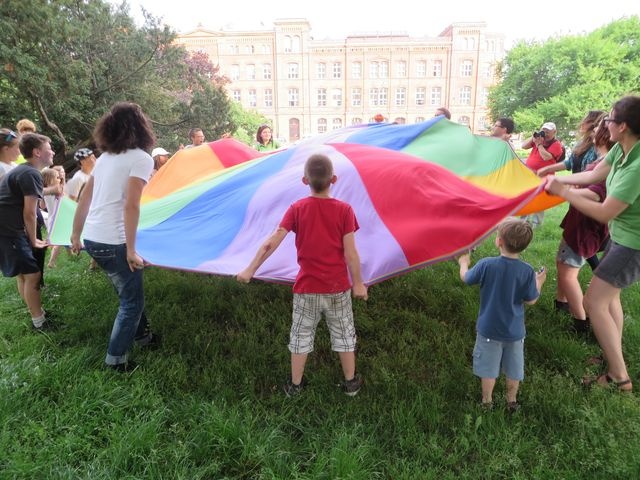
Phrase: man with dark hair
[20,190]
[503,128]
[196,135]
[443,111]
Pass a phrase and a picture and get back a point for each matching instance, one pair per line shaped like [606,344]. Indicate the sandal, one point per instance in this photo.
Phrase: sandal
[605,381]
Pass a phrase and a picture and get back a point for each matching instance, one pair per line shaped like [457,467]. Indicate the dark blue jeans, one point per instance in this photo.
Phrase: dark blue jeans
[131,320]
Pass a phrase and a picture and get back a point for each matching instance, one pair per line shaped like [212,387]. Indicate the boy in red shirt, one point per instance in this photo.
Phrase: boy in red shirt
[325,243]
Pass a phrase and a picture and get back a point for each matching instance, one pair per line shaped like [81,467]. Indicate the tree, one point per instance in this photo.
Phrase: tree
[562,78]
[65,62]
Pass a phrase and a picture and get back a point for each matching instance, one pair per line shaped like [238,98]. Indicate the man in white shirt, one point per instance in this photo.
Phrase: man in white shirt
[86,160]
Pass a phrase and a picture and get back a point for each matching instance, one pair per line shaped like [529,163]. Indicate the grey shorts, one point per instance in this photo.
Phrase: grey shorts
[308,308]
[568,256]
[492,356]
[620,266]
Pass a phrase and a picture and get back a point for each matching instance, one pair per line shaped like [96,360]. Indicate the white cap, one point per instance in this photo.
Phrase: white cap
[549,126]
[159,151]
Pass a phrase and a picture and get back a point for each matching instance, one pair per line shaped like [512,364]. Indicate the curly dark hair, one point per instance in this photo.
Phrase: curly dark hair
[123,128]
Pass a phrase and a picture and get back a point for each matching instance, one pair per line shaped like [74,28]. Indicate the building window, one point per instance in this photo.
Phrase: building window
[373,70]
[268,97]
[234,49]
[337,70]
[373,97]
[466,68]
[437,68]
[436,96]
[266,71]
[287,44]
[322,125]
[401,96]
[400,120]
[321,70]
[401,69]
[251,72]
[419,119]
[463,120]
[470,43]
[253,98]
[487,70]
[421,69]
[378,97]
[293,97]
[295,43]
[235,72]
[337,97]
[266,48]
[249,49]
[484,96]
[421,93]
[482,124]
[322,97]
[236,95]
[356,121]
[337,123]
[356,97]
[384,69]
[356,70]
[293,72]
[465,96]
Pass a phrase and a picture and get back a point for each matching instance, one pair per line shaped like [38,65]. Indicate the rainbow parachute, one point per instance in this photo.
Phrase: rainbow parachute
[422,193]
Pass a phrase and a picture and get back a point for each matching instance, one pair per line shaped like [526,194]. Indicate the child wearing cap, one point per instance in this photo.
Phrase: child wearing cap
[86,160]
[160,157]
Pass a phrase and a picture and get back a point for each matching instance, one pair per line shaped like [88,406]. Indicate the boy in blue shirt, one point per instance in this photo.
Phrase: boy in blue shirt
[506,284]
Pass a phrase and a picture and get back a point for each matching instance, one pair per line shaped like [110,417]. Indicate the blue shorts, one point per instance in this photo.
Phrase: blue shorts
[492,356]
[17,256]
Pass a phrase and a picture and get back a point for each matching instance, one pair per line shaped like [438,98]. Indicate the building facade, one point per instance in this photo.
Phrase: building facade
[306,86]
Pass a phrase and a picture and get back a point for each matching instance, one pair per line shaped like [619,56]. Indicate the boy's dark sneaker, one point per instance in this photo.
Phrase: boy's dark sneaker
[291,389]
[49,325]
[513,407]
[125,367]
[561,306]
[150,341]
[580,326]
[353,386]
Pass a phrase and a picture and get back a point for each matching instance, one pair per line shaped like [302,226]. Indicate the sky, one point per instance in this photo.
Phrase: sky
[338,18]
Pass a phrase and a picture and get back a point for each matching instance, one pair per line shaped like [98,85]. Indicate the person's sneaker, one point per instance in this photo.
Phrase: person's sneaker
[353,386]
[513,407]
[580,326]
[126,367]
[291,389]
[150,341]
[561,306]
[50,325]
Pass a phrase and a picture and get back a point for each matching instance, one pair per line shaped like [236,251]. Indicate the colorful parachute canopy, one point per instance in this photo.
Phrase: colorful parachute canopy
[208,212]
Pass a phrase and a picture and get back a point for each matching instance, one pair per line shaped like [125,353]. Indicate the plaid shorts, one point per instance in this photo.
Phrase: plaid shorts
[338,313]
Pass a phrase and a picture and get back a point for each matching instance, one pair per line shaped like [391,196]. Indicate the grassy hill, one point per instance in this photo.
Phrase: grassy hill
[208,404]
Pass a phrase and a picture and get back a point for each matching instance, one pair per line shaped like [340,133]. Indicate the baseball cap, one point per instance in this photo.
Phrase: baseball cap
[549,126]
[159,151]
[82,154]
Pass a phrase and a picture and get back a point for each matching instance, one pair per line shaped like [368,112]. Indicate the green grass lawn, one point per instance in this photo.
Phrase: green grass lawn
[208,404]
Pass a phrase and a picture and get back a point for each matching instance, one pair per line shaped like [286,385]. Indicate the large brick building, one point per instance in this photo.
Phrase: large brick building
[307,86]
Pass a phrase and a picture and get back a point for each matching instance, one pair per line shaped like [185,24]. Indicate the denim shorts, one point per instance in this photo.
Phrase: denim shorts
[308,308]
[620,266]
[492,356]
[568,256]
[17,256]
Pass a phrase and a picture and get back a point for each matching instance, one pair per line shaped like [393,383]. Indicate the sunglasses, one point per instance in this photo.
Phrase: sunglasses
[610,120]
[10,135]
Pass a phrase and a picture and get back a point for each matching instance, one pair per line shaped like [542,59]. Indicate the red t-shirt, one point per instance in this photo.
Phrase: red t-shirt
[535,162]
[320,225]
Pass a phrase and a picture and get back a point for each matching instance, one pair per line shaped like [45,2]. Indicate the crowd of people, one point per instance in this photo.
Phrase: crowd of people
[603,191]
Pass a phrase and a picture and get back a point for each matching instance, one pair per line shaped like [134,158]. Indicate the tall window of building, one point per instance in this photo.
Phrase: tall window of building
[419,119]
[373,70]
[421,93]
[337,70]
[266,48]
[437,68]
[356,70]
[249,49]
[356,121]
[421,69]
[322,125]
[337,123]
[294,100]
[321,70]
[487,70]
[322,97]
[471,43]
[336,93]
[266,71]
[400,120]
[288,44]
[236,95]
[482,123]
[356,97]
[401,97]
[295,43]
[436,95]
[465,96]
[466,68]
[251,71]
[401,69]
[293,71]
[484,96]
[235,72]
[373,97]
[253,98]
[234,49]
[384,97]
[464,120]
[268,97]
[384,69]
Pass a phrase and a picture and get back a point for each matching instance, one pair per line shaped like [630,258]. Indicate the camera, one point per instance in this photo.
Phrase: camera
[539,134]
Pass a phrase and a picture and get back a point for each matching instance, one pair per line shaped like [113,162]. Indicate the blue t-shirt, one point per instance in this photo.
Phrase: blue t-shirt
[505,284]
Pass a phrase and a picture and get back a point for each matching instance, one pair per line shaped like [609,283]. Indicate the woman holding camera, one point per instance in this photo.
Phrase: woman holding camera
[620,266]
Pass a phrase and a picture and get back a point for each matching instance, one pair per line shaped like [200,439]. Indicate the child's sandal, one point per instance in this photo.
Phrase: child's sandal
[605,381]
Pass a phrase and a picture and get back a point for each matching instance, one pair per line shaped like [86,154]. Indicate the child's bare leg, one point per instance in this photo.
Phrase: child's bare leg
[512,390]
[55,251]
[487,389]
[348,362]
[298,361]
